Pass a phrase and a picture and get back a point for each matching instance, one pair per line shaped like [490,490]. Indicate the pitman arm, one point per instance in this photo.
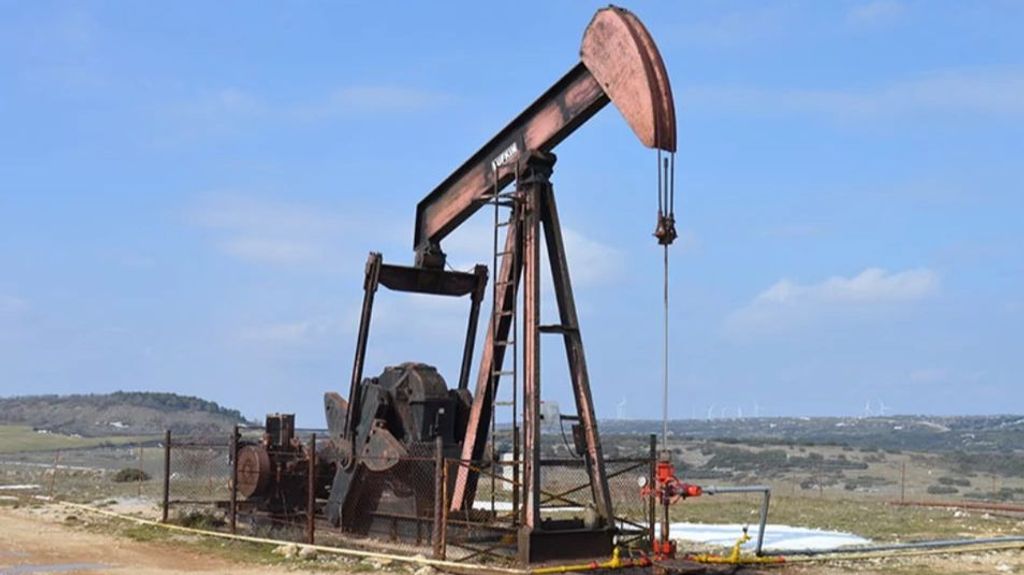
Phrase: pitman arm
[618,63]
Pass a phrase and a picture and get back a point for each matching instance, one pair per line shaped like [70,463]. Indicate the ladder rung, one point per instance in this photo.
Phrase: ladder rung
[503,313]
[505,343]
[503,282]
[556,328]
[505,194]
[504,253]
[489,199]
[503,224]
[501,373]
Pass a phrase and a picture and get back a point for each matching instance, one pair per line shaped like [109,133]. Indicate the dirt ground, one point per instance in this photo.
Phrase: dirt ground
[49,539]
[32,543]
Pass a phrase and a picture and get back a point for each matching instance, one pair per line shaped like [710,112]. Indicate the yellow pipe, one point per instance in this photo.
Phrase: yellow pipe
[616,562]
[735,556]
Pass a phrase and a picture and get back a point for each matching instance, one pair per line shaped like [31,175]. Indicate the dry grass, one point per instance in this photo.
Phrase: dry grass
[21,438]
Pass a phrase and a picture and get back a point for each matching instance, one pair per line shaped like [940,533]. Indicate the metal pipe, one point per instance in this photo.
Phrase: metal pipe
[765,501]
[762,522]
[936,544]
[713,490]
[962,505]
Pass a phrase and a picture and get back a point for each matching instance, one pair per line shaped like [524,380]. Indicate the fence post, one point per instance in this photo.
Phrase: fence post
[233,510]
[651,509]
[903,482]
[167,474]
[439,493]
[311,492]
[142,467]
[53,476]
[444,509]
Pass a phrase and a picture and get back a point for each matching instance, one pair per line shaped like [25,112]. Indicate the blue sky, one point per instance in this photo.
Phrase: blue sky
[188,192]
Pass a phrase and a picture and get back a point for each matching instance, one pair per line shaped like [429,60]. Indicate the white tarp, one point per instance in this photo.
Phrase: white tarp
[775,536]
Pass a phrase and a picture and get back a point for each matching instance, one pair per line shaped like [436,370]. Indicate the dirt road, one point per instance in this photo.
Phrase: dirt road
[32,543]
[42,540]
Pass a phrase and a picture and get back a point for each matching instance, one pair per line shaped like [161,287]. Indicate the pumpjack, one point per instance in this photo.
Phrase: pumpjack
[383,436]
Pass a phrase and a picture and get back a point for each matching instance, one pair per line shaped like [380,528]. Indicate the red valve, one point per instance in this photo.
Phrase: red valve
[667,489]
[690,490]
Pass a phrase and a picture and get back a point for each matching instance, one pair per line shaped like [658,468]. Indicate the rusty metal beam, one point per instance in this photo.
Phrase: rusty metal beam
[491,360]
[533,183]
[370,283]
[574,352]
[619,63]
[477,296]
[430,281]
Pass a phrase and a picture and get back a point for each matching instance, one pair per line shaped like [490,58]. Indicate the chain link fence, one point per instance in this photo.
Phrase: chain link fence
[824,486]
[488,529]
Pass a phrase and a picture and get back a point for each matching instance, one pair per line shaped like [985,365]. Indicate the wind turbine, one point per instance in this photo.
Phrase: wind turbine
[757,409]
[882,408]
[711,412]
[620,410]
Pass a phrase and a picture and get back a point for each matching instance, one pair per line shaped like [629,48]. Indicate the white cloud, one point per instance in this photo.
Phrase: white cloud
[795,230]
[928,375]
[590,261]
[787,304]
[223,106]
[727,29]
[231,211]
[992,93]
[875,13]
[273,232]
[289,332]
[270,250]
[358,100]
[11,305]
[871,285]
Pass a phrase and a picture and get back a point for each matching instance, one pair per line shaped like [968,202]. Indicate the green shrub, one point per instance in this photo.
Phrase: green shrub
[942,489]
[130,475]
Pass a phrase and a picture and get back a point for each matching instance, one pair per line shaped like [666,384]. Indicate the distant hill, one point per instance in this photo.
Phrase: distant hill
[121,413]
[971,434]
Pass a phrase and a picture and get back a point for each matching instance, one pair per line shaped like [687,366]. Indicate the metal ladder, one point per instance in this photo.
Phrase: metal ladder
[501,200]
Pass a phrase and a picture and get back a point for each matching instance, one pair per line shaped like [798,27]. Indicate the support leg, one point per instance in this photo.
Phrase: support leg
[574,352]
